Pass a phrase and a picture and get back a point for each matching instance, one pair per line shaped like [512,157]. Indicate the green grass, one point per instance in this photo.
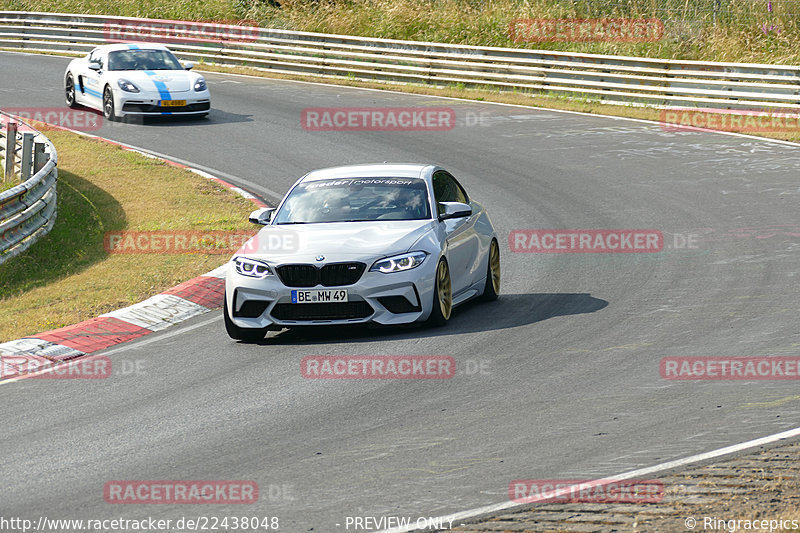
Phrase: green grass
[746,31]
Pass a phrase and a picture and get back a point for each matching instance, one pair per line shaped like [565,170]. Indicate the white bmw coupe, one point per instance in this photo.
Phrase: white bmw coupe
[135,79]
[387,243]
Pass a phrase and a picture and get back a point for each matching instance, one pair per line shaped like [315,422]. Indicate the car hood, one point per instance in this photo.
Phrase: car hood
[336,241]
[171,81]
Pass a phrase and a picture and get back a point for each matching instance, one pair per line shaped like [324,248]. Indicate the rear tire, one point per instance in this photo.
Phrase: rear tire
[442,296]
[241,334]
[492,288]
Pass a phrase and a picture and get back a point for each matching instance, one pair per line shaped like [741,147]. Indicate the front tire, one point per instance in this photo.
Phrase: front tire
[492,288]
[442,296]
[69,92]
[108,104]
[241,334]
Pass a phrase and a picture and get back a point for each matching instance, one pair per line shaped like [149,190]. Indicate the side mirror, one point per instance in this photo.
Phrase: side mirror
[454,210]
[95,66]
[262,216]
[188,65]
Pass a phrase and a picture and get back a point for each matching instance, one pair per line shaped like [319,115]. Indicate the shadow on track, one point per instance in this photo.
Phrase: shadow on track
[216,116]
[509,311]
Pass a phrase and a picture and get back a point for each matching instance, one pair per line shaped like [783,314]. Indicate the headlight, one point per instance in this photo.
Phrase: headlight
[251,267]
[399,263]
[200,85]
[127,86]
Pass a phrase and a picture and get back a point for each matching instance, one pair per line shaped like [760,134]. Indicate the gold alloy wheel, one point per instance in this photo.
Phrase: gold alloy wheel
[494,266]
[444,290]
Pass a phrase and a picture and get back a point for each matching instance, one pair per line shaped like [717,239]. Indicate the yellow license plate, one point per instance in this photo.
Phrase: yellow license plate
[172,103]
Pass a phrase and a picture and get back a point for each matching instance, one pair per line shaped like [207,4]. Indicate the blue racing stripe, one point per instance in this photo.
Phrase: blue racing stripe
[160,85]
[92,92]
[133,47]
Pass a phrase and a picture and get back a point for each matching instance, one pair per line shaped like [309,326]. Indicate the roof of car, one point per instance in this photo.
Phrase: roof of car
[394,170]
[131,46]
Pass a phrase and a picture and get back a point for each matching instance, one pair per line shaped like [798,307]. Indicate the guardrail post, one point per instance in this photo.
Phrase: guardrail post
[39,157]
[11,148]
[26,157]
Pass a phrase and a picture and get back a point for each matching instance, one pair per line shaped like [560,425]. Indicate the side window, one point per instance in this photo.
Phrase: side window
[96,57]
[447,189]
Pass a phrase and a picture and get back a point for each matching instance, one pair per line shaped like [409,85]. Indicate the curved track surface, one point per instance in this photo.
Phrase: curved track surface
[570,386]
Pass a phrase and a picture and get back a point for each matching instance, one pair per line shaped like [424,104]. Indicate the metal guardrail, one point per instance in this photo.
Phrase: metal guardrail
[612,79]
[27,210]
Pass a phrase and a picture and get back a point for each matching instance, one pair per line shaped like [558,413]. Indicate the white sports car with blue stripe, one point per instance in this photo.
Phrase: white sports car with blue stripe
[135,79]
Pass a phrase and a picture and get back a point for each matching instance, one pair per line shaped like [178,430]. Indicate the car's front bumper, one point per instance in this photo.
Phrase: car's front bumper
[148,103]
[389,299]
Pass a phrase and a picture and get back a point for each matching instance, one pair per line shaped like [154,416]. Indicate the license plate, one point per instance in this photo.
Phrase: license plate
[318,296]
[172,103]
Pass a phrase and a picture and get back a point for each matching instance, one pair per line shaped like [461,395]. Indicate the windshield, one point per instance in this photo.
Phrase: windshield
[356,200]
[143,60]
